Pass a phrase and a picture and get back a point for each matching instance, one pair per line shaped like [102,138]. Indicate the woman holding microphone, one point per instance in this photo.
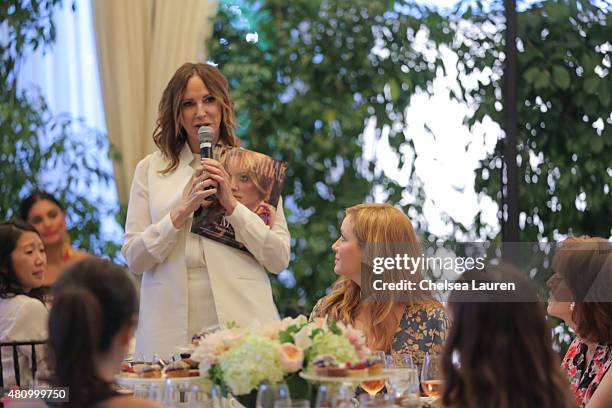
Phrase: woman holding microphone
[190,282]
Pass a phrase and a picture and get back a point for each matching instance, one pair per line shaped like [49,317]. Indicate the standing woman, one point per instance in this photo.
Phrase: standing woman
[409,322]
[23,315]
[47,215]
[190,282]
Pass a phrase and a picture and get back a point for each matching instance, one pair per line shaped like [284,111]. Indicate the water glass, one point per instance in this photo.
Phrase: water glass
[268,395]
[336,397]
[172,395]
[156,393]
[289,403]
[382,400]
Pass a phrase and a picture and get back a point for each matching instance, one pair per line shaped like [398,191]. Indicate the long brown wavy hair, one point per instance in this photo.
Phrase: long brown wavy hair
[381,231]
[499,352]
[585,264]
[169,135]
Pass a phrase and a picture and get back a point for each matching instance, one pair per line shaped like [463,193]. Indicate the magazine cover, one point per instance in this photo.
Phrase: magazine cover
[256,181]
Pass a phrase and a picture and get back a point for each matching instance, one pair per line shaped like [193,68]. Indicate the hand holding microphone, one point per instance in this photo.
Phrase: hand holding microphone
[202,191]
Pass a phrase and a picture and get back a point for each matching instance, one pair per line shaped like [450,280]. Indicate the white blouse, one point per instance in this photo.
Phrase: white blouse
[23,318]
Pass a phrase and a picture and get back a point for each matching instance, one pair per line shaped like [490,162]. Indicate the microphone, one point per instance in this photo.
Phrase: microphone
[206,136]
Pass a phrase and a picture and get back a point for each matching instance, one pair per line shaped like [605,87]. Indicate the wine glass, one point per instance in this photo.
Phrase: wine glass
[296,403]
[403,375]
[382,400]
[337,397]
[372,387]
[269,395]
[431,376]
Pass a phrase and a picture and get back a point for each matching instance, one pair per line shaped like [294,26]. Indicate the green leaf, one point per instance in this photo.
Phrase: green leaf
[542,80]
[285,337]
[590,85]
[333,327]
[395,89]
[561,77]
[597,144]
[531,74]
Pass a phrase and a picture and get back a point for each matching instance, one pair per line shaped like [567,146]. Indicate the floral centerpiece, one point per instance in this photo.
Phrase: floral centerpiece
[239,359]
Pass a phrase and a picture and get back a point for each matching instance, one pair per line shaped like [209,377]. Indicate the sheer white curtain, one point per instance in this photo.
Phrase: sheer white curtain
[66,75]
[140,45]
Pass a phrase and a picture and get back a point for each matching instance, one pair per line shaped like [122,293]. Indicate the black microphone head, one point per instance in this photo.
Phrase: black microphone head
[206,134]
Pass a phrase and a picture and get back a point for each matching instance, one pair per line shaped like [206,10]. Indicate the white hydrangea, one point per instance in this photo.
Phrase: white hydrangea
[253,360]
[213,345]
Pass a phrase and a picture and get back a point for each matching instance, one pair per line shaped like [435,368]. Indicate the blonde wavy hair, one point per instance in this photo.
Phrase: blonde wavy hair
[381,230]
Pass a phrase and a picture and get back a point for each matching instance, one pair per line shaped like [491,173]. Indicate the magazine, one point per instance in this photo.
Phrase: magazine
[256,180]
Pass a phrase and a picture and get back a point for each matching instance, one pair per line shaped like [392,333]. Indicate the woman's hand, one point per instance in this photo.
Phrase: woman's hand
[267,213]
[194,199]
[215,170]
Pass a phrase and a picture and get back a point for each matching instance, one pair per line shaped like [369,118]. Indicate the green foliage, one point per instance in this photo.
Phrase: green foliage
[564,111]
[304,92]
[564,116]
[67,145]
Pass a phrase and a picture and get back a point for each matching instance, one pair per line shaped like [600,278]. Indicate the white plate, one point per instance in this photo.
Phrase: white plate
[314,377]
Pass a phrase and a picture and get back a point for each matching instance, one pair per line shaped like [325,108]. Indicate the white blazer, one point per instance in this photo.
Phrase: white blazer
[154,249]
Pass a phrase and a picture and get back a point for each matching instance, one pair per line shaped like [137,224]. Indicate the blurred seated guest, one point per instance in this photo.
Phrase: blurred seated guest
[93,318]
[499,350]
[395,321]
[23,315]
[581,295]
[48,216]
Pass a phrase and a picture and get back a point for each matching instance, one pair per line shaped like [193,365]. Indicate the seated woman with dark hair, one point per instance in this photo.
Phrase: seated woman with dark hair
[581,295]
[411,322]
[93,318]
[499,350]
[45,213]
[23,315]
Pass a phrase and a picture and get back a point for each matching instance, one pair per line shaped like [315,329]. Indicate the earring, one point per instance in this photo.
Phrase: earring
[572,305]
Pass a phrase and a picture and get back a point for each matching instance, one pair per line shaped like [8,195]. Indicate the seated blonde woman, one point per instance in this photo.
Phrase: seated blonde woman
[394,321]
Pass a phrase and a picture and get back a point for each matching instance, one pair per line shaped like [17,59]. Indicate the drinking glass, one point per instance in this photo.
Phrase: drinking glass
[156,393]
[382,400]
[334,397]
[216,397]
[196,398]
[403,375]
[431,376]
[172,395]
[372,387]
[289,403]
[268,395]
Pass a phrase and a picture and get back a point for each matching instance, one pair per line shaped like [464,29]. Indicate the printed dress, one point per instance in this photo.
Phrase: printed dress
[422,330]
[585,380]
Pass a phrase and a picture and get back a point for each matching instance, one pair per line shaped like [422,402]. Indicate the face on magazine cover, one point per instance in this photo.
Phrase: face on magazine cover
[244,184]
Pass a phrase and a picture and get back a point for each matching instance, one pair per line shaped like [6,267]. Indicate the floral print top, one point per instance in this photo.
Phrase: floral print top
[585,380]
[422,329]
